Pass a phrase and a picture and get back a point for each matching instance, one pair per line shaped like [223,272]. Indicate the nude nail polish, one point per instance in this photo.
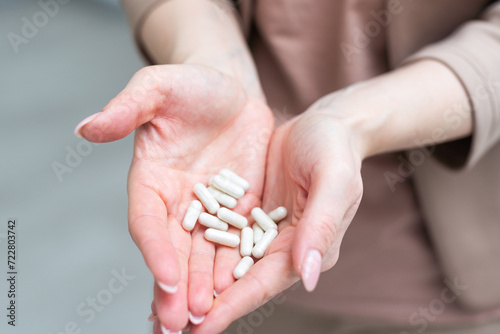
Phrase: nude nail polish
[167,288]
[80,125]
[310,269]
[196,320]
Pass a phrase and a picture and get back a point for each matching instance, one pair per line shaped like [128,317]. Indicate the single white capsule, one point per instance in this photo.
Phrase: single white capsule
[192,214]
[206,198]
[278,214]
[263,220]
[242,267]
[235,178]
[221,237]
[246,244]
[260,248]
[210,221]
[232,218]
[226,186]
[222,198]
[257,233]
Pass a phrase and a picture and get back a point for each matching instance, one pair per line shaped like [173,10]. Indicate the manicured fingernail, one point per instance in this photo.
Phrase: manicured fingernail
[310,269]
[152,317]
[167,288]
[80,125]
[166,331]
[153,308]
[196,320]
[216,294]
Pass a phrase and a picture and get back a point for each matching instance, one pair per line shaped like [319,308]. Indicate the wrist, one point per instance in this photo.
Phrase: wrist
[200,33]
[340,108]
[401,109]
[236,63]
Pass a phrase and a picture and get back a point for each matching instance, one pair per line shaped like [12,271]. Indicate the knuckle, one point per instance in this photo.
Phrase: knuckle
[345,170]
[356,186]
[326,230]
[330,258]
[265,295]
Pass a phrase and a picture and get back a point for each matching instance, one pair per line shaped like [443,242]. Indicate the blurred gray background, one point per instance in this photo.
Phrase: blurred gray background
[72,235]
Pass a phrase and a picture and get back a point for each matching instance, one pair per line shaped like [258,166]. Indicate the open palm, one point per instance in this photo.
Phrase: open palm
[313,170]
[191,121]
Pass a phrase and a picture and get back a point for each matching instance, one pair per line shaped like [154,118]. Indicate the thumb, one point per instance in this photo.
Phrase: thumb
[135,105]
[330,207]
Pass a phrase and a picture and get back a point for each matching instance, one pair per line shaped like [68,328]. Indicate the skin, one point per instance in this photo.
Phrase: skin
[209,112]
[183,138]
[191,120]
[314,169]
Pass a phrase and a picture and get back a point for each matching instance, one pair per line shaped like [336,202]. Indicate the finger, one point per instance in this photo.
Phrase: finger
[172,308]
[269,276]
[200,284]
[322,224]
[226,259]
[156,327]
[154,314]
[148,228]
[135,105]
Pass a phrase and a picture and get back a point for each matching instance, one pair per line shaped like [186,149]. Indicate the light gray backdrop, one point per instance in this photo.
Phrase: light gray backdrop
[72,237]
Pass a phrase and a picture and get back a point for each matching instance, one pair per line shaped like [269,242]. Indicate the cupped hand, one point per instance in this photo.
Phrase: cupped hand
[191,121]
[313,169]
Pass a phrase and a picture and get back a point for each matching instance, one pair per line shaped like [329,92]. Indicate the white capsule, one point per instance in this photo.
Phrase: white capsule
[206,198]
[222,198]
[210,221]
[192,214]
[246,244]
[226,186]
[221,237]
[260,248]
[257,233]
[242,267]
[278,214]
[235,178]
[263,220]
[232,218]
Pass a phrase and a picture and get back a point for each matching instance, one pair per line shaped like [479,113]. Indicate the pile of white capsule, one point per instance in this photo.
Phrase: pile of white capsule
[225,189]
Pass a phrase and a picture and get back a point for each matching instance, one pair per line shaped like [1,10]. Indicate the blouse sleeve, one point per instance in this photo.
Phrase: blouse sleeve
[472,52]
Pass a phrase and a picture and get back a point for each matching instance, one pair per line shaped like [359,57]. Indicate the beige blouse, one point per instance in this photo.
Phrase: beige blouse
[438,230]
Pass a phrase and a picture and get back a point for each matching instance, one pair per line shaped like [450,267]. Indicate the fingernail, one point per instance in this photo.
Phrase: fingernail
[152,317]
[153,308]
[166,331]
[84,122]
[196,320]
[311,268]
[167,288]
[216,294]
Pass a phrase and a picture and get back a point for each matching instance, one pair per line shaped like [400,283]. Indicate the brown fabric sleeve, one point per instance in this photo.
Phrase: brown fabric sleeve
[473,54]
